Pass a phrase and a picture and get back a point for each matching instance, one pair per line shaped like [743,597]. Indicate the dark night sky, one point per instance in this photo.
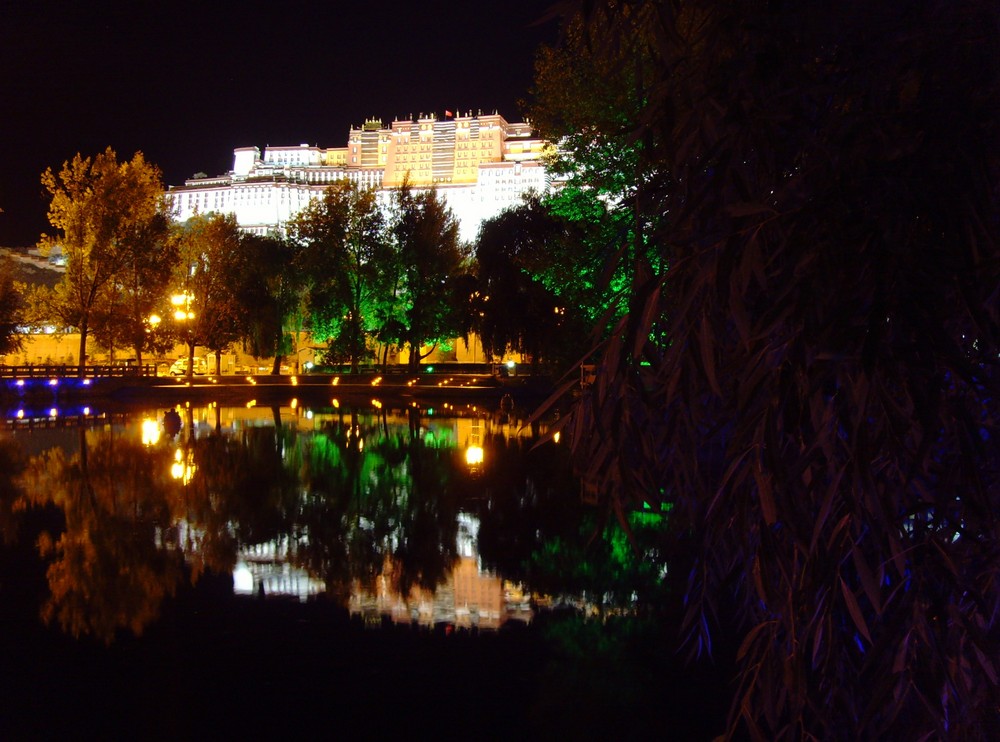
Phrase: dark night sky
[186,82]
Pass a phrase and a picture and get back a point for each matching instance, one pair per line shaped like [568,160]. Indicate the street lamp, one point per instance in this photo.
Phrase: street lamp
[182,313]
[182,306]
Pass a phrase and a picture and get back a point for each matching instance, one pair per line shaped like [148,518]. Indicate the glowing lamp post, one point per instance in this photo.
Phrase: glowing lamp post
[183,315]
[182,306]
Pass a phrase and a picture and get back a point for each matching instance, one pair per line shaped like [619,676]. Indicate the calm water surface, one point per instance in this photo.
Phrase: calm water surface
[204,556]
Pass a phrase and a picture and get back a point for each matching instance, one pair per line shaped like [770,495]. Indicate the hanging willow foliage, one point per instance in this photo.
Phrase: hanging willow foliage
[823,414]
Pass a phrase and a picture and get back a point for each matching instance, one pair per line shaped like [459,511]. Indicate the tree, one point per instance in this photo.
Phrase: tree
[590,98]
[343,247]
[117,557]
[128,310]
[13,308]
[823,414]
[426,236]
[209,256]
[268,293]
[518,305]
[103,208]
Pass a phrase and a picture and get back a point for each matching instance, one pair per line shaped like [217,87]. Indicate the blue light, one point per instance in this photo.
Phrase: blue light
[20,382]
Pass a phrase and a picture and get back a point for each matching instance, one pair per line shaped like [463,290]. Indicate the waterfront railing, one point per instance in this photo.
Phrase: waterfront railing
[60,371]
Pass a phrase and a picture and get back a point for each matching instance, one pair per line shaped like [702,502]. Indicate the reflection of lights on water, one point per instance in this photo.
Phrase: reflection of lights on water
[177,468]
[376,381]
[150,431]
[295,381]
[181,469]
[474,455]
[336,380]
[251,380]
[242,579]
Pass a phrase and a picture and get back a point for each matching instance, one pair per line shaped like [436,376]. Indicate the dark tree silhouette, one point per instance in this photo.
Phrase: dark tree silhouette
[823,411]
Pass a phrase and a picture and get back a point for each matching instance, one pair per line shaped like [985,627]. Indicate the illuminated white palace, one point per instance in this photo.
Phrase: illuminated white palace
[480,164]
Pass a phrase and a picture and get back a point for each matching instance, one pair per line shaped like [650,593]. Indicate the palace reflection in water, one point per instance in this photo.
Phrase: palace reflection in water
[426,515]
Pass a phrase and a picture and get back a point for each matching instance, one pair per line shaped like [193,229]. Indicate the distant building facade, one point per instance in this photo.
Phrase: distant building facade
[480,165]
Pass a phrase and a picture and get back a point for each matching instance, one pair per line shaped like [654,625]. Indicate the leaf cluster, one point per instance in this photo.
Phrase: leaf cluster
[823,411]
[112,219]
[13,308]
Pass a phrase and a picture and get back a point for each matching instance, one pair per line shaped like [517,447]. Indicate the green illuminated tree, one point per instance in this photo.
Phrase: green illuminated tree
[589,98]
[344,250]
[426,238]
[103,208]
[823,415]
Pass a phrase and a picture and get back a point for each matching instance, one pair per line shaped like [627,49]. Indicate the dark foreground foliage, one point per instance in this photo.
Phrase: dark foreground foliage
[823,415]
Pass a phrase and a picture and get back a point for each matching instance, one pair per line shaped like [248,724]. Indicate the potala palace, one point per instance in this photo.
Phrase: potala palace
[480,165]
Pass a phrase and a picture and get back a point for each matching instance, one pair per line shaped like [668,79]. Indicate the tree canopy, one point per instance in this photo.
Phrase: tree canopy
[209,265]
[531,297]
[344,256]
[103,209]
[426,237]
[267,291]
[812,385]
[12,308]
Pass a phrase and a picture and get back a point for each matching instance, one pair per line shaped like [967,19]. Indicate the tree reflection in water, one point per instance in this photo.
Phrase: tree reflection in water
[117,556]
[361,500]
